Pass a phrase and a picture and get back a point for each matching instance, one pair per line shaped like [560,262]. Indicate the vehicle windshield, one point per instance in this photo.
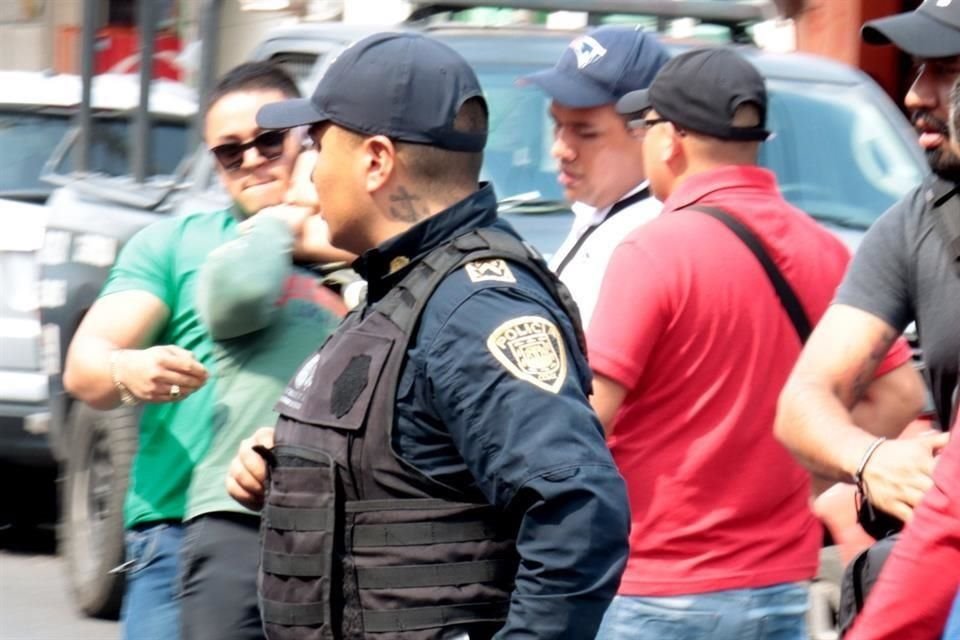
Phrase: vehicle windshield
[837,156]
[517,156]
[28,139]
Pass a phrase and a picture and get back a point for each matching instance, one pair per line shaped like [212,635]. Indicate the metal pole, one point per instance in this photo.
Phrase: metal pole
[140,150]
[210,43]
[85,115]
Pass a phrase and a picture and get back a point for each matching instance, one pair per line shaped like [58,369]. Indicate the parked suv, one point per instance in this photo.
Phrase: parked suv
[843,152]
[36,114]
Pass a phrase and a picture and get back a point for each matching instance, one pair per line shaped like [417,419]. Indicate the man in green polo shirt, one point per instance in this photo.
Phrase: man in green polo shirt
[161,333]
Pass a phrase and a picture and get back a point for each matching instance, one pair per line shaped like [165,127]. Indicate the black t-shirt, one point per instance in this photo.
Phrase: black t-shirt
[902,272]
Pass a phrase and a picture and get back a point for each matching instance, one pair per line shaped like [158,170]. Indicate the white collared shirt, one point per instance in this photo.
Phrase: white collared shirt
[583,274]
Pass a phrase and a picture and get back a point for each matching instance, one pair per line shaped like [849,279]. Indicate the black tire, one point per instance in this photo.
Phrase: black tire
[95,474]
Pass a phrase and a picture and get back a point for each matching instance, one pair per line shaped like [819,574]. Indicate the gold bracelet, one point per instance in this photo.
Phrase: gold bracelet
[127,399]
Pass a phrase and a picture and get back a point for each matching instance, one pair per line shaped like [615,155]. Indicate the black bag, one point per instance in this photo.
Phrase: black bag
[859,577]
[877,523]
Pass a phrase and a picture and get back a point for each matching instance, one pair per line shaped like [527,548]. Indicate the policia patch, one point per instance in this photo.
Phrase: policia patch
[531,348]
[485,270]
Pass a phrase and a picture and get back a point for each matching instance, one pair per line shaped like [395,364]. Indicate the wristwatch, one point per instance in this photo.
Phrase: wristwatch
[127,399]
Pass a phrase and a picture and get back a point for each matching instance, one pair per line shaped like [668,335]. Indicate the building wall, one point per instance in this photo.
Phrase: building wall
[24,25]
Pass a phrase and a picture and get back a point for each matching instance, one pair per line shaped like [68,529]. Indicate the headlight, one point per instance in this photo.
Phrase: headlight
[19,311]
[19,283]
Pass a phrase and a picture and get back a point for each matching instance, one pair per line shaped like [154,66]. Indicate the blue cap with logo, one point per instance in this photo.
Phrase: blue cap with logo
[601,66]
[405,86]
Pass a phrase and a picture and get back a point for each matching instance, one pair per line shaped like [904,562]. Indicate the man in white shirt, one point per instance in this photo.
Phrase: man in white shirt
[600,162]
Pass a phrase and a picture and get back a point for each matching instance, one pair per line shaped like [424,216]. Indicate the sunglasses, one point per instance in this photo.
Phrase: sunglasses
[645,123]
[269,144]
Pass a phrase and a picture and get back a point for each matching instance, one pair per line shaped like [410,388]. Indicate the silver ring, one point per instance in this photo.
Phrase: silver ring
[174,391]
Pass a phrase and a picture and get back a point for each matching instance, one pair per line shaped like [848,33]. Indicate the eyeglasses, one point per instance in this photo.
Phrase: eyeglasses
[645,123]
[269,144]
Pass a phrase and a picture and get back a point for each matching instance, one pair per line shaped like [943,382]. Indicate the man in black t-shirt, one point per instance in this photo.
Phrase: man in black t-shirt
[906,270]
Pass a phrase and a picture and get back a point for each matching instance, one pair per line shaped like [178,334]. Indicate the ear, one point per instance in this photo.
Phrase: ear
[672,147]
[380,162]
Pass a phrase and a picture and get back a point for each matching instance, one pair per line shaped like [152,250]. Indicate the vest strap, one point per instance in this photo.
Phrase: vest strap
[292,615]
[293,564]
[296,519]
[362,506]
[430,617]
[434,575]
[411,534]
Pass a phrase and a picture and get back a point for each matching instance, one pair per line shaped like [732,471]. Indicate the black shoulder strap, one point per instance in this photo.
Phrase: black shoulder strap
[784,291]
[643,194]
[404,304]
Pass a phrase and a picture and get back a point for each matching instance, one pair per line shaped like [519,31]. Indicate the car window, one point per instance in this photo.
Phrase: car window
[28,139]
[837,156]
[517,156]
[109,155]
[35,135]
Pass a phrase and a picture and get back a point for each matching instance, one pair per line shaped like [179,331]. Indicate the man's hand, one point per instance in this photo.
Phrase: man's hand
[248,470]
[151,374]
[900,472]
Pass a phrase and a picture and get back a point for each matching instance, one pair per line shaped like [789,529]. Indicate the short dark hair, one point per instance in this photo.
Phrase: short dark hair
[455,170]
[253,76]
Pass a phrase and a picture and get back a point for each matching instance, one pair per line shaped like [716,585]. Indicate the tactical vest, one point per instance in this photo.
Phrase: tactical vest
[357,543]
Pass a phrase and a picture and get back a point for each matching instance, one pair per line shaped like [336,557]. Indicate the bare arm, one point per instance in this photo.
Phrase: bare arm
[891,402]
[607,397]
[127,321]
[815,417]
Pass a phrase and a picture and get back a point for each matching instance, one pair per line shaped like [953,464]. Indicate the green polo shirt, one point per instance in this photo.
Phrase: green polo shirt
[164,259]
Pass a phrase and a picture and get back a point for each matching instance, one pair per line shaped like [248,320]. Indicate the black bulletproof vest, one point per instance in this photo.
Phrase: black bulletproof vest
[355,541]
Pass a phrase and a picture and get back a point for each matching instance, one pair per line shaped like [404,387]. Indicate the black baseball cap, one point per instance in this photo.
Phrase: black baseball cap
[405,86]
[602,65]
[930,31]
[700,90]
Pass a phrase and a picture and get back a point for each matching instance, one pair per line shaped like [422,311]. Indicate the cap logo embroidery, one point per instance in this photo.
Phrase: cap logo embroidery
[587,51]
[531,349]
[489,270]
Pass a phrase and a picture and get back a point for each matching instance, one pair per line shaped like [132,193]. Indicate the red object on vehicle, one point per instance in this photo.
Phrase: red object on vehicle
[118,51]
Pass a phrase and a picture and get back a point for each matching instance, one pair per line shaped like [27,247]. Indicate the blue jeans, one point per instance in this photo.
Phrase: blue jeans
[150,609]
[769,613]
[952,632]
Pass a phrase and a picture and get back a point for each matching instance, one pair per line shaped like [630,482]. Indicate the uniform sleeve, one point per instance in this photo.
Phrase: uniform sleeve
[878,280]
[915,571]
[634,294]
[511,395]
[242,280]
[146,263]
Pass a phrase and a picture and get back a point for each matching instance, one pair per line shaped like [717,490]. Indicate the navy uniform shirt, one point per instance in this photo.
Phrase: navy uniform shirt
[492,399]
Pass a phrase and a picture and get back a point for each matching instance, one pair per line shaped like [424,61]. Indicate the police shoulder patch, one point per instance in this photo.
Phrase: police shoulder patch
[531,348]
[489,270]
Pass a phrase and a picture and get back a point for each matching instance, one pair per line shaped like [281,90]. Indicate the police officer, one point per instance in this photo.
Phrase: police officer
[437,471]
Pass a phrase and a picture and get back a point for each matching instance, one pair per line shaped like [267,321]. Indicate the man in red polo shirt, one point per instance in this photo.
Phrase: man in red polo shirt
[690,347]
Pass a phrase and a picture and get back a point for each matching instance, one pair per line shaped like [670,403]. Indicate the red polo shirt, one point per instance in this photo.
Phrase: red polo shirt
[689,324]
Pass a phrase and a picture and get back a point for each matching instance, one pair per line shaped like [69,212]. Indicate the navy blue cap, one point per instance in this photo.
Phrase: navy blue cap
[602,65]
[700,90]
[931,31]
[405,86]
